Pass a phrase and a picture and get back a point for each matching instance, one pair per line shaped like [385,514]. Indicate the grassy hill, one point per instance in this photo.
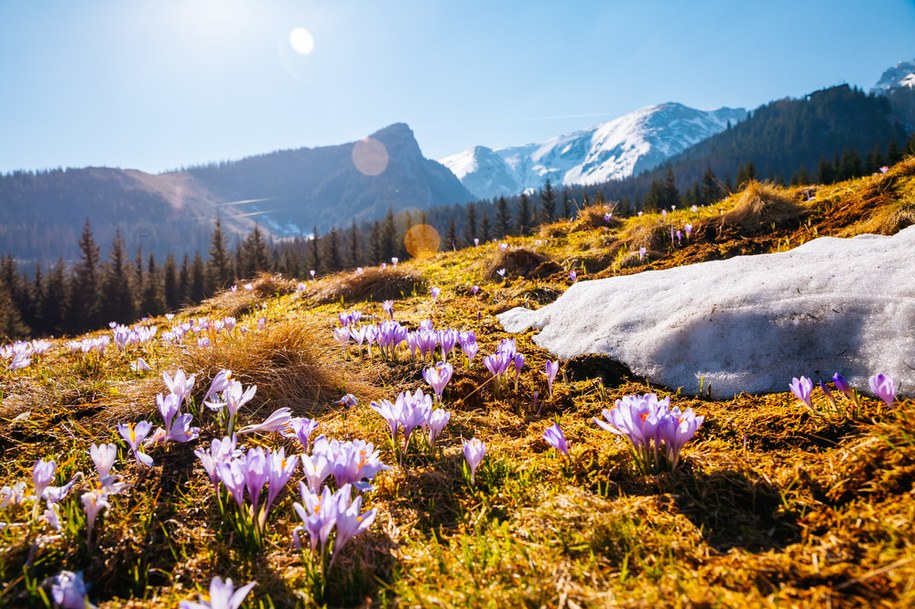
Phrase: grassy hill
[771,506]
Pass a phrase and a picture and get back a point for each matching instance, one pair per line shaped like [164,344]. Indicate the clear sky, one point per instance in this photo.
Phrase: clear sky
[156,84]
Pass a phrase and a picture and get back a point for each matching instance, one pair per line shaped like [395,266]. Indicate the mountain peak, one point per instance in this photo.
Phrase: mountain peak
[900,75]
[615,149]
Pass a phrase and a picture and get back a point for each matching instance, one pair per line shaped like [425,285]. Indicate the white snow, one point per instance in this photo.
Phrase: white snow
[612,150]
[900,75]
[750,323]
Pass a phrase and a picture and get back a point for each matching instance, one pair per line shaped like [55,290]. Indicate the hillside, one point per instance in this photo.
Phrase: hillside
[772,504]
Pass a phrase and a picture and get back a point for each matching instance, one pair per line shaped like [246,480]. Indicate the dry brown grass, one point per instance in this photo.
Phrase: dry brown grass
[521,262]
[760,206]
[372,284]
[589,218]
[237,303]
[287,360]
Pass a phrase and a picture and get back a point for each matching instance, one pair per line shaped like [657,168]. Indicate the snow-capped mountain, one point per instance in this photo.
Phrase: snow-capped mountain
[900,75]
[612,150]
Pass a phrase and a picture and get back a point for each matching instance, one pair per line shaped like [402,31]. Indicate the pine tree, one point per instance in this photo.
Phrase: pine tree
[825,172]
[451,235]
[54,306]
[315,260]
[354,246]
[171,291]
[197,288]
[117,295]
[256,257]
[184,281]
[566,205]
[83,304]
[11,324]
[503,218]
[153,301]
[470,228]
[333,251]
[219,265]
[710,191]
[485,228]
[654,200]
[671,193]
[388,237]
[36,298]
[524,215]
[547,203]
[375,243]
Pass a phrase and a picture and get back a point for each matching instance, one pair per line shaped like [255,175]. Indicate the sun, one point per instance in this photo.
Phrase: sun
[301,41]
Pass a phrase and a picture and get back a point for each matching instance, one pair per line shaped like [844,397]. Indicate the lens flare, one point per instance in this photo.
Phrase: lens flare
[422,240]
[370,157]
[301,41]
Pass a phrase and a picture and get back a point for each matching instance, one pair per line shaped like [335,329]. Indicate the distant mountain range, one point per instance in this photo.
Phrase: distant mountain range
[612,150]
[287,193]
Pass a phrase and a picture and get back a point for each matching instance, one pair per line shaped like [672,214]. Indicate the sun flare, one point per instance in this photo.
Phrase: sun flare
[301,41]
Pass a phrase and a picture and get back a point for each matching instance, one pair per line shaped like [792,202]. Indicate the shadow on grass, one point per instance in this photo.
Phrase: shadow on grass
[736,509]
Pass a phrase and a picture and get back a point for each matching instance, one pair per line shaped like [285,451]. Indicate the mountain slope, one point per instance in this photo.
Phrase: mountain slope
[612,150]
[323,187]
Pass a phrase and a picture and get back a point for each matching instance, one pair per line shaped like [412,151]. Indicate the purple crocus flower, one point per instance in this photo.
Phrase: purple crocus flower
[555,438]
[93,502]
[438,377]
[435,291]
[437,421]
[642,252]
[551,369]
[319,515]
[802,388]
[181,385]
[278,420]
[181,430]
[353,462]
[497,364]
[474,289]
[301,429]
[133,435]
[279,471]
[573,276]
[842,385]
[635,417]
[350,520]
[607,216]
[69,591]
[317,467]
[221,451]
[688,229]
[447,339]
[675,430]
[388,307]
[348,401]
[42,477]
[503,246]
[474,451]
[883,387]
[223,595]
[501,273]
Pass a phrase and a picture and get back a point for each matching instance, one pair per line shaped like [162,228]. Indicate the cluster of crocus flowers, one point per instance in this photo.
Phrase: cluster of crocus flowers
[125,336]
[504,359]
[881,385]
[20,353]
[409,412]
[656,431]
[96,345]
[438,377]
[424,344]
[226,396]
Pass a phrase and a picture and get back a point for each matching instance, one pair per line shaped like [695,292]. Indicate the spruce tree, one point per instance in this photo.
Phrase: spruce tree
[470,228]
[184,281]
[256,257]
[547,203]
[333,251]
[375,250]
[171,293]
[566,204]
[389,237]
[219,265]
[153,301]
[710,191]
[11,324]
[451,235]
[315,248]
[524,215]
[503,218]
[117,293]
[485,228]
[83,304]
[37,294]
[197,288]
[671,193]
[54,306]
[354,246]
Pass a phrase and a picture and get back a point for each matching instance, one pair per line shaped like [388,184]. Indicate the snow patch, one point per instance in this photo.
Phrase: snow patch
[750,323]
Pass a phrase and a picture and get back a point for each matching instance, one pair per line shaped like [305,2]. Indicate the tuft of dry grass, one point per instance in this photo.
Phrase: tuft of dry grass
[287,360]
[760,206]
[372,284]
[521,262]
[589,218]
[242,300]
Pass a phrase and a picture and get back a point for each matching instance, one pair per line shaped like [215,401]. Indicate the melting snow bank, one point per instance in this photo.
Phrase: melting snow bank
[749,323]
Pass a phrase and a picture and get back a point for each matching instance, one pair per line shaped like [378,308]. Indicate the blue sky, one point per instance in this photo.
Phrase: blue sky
[155,84]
